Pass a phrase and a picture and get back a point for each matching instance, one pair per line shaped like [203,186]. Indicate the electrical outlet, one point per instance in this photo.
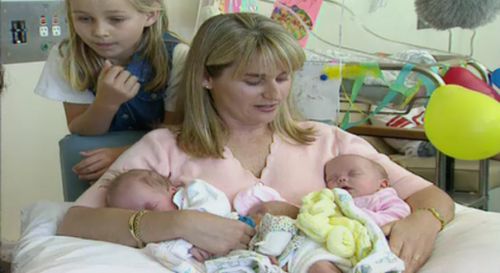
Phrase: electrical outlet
[44,31]
[56,31]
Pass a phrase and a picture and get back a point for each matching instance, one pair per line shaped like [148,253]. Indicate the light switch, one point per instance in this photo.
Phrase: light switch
[18,29]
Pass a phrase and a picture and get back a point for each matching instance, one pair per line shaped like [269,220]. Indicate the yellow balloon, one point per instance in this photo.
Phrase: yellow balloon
[463,123]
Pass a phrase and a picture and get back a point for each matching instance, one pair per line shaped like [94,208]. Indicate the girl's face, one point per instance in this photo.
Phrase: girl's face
[251,99]
[112,28]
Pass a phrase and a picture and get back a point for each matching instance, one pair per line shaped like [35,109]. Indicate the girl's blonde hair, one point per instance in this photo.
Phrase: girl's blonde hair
[81,65]
[223,41]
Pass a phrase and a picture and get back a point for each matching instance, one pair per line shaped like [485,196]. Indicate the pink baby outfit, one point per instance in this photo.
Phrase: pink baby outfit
[247,199]
[384,206]
[291,169]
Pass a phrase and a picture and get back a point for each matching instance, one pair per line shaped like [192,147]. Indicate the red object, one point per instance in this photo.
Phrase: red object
[463,77]
[43,20]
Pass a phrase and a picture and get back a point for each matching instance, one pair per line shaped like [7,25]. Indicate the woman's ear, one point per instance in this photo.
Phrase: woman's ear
[207,81]
[152,17]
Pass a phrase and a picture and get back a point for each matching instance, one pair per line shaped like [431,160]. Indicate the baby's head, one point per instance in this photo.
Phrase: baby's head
[357,174]
[141,189]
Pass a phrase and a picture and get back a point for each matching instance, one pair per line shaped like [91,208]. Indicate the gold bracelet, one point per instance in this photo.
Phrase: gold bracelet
[137,225]
[134,223]
[436,215]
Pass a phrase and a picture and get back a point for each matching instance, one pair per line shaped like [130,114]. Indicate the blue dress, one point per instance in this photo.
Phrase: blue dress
[146,110]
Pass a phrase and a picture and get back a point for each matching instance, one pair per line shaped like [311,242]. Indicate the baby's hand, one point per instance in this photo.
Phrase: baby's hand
[274,260]
[199,254]
[323,267]
[277,208]
[115,85]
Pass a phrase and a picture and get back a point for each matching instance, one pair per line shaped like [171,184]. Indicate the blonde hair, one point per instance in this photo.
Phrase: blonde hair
[223,41]
[81,65]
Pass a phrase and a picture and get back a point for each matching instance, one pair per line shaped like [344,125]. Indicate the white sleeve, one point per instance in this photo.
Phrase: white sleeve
[52,84]
[200,195]
[178,60]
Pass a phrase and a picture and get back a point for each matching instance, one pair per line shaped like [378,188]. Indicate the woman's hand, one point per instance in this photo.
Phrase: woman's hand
[215,234]
[412,238]
[115,85]
[96,162]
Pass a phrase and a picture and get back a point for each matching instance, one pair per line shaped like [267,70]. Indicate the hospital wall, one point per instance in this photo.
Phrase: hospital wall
[31,126]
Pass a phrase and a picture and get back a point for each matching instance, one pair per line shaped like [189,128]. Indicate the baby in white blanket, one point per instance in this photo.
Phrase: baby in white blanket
[148,190]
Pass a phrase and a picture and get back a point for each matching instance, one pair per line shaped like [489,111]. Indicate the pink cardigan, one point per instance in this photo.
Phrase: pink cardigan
[291,169]
[384,206]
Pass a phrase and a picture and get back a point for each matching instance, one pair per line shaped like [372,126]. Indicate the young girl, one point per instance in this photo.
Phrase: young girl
[118,70]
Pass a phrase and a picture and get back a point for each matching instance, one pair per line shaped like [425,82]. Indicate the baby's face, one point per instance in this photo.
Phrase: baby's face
[354,174]
[153,192]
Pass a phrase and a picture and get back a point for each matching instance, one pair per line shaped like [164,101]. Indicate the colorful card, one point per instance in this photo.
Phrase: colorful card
[233,6]
[297,16]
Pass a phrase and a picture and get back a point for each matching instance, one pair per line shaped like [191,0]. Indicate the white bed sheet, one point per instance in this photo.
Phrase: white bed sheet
[471,243]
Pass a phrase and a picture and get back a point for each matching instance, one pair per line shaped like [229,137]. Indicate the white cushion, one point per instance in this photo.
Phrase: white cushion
[470,243]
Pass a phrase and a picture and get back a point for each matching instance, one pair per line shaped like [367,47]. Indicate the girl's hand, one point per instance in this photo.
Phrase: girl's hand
[115,85]
[215,234]
[412,238]
[96,162]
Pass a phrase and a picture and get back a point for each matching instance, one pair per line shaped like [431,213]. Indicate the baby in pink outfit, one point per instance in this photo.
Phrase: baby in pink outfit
[365,180]
[247,199]
[368,183]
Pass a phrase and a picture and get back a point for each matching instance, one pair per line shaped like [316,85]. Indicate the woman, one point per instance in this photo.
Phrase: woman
[239,128]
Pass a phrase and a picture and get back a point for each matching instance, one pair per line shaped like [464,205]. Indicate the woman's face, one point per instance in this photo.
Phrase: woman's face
[251,99]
